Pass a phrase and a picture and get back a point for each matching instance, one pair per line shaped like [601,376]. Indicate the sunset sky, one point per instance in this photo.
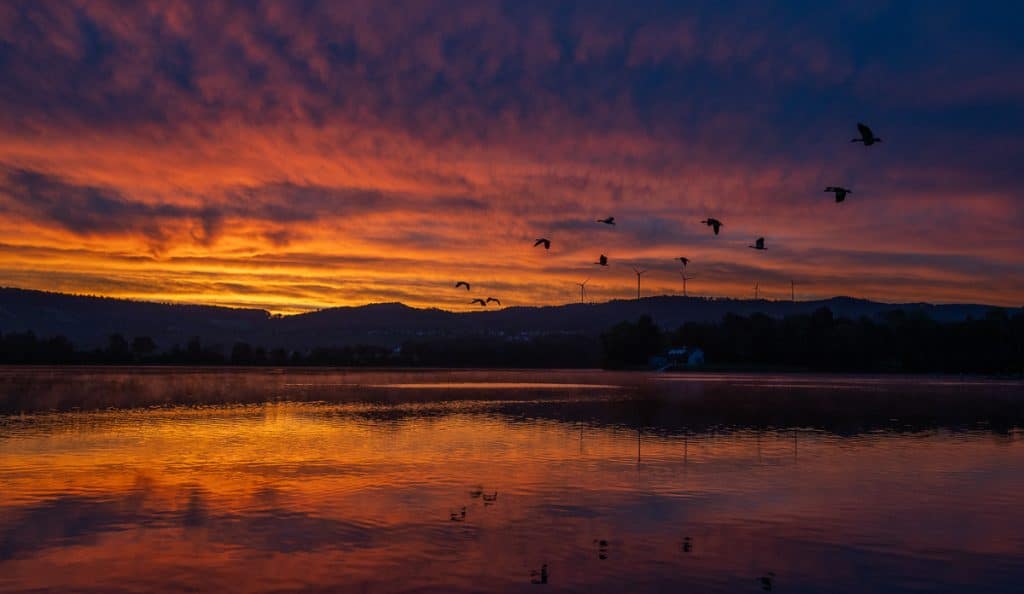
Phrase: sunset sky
[300,155]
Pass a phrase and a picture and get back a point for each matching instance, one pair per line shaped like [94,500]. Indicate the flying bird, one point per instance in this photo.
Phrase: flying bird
[758,245]
[866,135]
[840,192]
[603,260]
[685,261]
[545,242]
[462,284]
[492,299]
[608,221]
[480,301]
[714,224]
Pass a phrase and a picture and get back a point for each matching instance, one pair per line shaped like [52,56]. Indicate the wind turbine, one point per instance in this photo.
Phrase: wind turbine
[685,277]
[583,290]
[756,289]
[638,273]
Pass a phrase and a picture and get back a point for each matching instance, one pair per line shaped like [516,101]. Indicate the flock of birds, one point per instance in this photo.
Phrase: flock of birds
[867,137]
[540,576]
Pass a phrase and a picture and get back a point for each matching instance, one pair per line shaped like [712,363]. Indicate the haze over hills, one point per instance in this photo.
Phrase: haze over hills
[88,321]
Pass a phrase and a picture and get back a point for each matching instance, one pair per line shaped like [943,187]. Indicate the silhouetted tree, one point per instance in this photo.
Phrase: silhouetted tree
[241,354]
[629,344]
[143,346]
[118,350]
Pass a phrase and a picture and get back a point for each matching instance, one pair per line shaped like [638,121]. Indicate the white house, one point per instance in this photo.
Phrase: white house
[690,357]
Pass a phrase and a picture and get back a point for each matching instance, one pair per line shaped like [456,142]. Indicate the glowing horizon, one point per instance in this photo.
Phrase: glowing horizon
[296,158]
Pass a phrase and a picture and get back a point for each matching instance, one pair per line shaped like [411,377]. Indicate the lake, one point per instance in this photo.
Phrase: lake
[206,480]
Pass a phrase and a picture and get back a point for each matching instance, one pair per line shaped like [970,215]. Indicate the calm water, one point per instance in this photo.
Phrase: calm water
[263,481]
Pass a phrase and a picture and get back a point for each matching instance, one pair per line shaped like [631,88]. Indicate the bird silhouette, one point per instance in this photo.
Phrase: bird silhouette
[539,577]
[492,299]
[480,301]
[603,260]
[866,135]
[839,191]
[687,544]
[767,581]
[758,245]
[462,284]
[491,498]
[607,221]
[545,242]
[459,516]
[685,261]
[602,548]
[714,224]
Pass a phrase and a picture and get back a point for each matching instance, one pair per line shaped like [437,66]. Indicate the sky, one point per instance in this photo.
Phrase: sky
[301,155]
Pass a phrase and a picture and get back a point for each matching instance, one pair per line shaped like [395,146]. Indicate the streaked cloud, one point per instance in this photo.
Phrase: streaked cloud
[300,155]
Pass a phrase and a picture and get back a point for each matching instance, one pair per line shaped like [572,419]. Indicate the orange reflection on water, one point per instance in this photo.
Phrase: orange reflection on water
[360,497]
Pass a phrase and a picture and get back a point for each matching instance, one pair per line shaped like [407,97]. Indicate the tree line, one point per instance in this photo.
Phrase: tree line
[896,342]
[542,351]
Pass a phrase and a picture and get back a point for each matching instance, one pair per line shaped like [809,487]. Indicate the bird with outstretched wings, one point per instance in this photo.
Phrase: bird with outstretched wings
[866,135]
[714,224]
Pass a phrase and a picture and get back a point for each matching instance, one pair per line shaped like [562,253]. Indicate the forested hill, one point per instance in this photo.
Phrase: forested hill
[89,321]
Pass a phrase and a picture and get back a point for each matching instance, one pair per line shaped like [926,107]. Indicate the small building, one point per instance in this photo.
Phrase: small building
[685,357]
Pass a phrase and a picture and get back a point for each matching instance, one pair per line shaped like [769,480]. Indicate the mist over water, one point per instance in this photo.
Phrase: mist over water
[355,481]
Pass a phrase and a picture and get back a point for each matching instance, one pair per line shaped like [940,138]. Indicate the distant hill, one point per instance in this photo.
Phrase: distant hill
[88,321]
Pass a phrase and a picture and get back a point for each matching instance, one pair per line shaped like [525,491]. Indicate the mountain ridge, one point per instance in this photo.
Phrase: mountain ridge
[89,320]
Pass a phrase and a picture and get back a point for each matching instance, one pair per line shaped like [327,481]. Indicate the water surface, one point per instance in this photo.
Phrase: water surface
[341,481]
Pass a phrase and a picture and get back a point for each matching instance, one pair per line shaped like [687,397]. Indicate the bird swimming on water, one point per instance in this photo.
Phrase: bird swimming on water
[714,224]
[462,284]
[492,299]
[839,191]
[866,135]
[480,301]
[758,245]
[602,261]
[542,241]
[607,221]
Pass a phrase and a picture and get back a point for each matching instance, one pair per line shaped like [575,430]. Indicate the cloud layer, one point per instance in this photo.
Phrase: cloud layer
[302,155]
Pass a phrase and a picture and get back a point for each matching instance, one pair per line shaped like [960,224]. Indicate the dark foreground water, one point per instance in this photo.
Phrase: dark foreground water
[263,481]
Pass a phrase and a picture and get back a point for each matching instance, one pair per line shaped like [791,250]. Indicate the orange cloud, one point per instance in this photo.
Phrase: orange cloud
[293,159]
